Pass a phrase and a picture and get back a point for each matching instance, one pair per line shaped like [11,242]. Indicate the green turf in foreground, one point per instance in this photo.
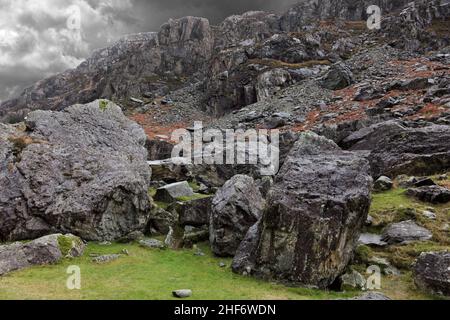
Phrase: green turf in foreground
[147,274]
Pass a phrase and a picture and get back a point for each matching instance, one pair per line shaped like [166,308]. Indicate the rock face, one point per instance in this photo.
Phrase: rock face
[236,207]
[188,49]
[82,171]
[315,212]
[432,272]
[42,251]
[140,63]
[405,232]
[396,149]
[432,194]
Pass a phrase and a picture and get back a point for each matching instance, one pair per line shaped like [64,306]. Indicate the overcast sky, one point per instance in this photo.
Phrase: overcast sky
[39,38]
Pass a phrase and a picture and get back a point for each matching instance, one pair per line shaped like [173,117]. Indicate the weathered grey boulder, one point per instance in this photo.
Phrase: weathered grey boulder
[405,232]
[151,244]
[236,207]
[195,212]
[431,194]
[183,293]
[372,240]
[395,149]
[106,258]
[174,191]
[42,251]
[383,184]
[81,171]
[339,77]
[352,281]
[315,213]
[432,272]
[270,82]
[160,220]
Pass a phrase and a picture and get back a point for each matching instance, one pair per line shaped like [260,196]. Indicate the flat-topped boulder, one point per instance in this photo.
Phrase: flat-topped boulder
[172,192]
[405,232]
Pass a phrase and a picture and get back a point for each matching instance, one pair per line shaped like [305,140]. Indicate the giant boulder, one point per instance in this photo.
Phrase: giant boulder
[82,171]
[315,213]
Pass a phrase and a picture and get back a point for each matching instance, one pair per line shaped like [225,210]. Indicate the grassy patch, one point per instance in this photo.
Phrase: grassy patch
[103,105]
[148,274]
[196,196]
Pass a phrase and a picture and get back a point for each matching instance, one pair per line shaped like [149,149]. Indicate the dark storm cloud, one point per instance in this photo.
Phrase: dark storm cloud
[35,41]
[155,12]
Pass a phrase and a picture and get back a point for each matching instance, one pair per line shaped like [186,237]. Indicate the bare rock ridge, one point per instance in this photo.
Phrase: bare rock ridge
[190,50]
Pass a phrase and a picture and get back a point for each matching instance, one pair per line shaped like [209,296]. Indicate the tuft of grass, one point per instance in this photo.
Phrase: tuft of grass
[103,105]
[148,274]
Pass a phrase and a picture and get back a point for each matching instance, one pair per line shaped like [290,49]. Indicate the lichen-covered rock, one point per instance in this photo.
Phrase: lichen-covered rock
[315,213]
[46,250]
[81,171]
[405,232]
[383,184]
[235,208]
[432,272]
[352,281]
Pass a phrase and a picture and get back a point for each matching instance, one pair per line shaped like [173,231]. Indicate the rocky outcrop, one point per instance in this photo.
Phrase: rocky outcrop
[411,28]
[42,251]
[432,273]
[396,149]
[137,64]
[189,50]
[235,208]
[82,171]
[310,11]
[314,216]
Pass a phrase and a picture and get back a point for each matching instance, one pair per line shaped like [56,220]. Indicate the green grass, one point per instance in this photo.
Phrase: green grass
[148,274]
[196,196]
[394,206]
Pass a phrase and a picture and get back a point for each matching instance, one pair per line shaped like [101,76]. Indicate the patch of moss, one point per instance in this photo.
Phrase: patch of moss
[103,105]
[363,254]
[65,244]
[196,196]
